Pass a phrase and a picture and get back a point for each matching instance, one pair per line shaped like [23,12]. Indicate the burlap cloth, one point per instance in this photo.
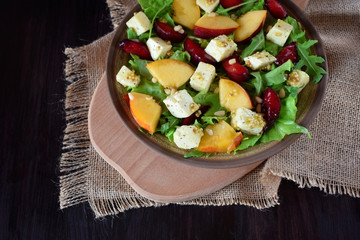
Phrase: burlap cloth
[329,161]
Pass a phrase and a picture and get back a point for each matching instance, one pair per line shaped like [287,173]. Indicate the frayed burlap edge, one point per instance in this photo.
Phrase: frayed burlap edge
[74,160]
[327,186]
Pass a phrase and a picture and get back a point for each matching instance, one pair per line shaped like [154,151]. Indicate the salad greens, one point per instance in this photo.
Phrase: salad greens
[275,77]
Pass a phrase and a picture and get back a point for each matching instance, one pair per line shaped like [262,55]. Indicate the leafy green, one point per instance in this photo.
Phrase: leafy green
[310,61]
[150,88]
[209,120]
[257,43]
[272,48]
[169,127]
[194,153]
[277,76]
[169,19]
[225,11]
[254,5]
[285,124]
[257,82]
[209,99]
[131,34]
[181,56]
[248,141]
[139,65]
[222,11]
[154,8]
[297,34]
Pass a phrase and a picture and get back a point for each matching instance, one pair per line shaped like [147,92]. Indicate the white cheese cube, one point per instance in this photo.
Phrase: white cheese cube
[158,47]
[221,47]
[259,60]
[247,121]
[279,33]
[127,78]
[203,77]
[187,137]
[207,5]
[298,78]
[181,104]
[140,23]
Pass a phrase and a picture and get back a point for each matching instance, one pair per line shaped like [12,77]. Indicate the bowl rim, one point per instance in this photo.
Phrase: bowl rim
[236,162]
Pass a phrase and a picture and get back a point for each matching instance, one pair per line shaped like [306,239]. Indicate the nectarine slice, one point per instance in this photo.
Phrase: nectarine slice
[186,12]
[170,73]
[209,26]
[249,25]
[145,111]
[219,137]
[232,95]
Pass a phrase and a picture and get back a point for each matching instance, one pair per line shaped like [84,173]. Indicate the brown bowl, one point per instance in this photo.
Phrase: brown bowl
[309,104]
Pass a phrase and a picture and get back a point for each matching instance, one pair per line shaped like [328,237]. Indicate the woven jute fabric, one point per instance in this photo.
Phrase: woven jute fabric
[330,160]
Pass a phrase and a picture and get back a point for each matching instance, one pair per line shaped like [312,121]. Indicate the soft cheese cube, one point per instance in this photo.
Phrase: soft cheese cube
[181,104]
[187,137]
[279,33]
[259,60]
[127,78]
[247,121]
[298,78]
[221,47]
[140,23]
[158,47]
[202,77]
[207,5]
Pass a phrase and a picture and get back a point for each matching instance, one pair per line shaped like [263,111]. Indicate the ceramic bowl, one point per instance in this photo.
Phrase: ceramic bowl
[309,103]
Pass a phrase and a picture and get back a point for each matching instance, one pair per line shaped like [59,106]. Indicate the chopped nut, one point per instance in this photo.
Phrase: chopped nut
[216,91]
[154,80]
[232,61]
[213,14]
[167,91]
[258,99]
[220,113]
[282,93]
[258,108]
[149,98]
[209,131]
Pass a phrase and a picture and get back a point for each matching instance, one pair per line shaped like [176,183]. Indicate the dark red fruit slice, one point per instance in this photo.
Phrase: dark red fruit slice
[136,47]
[196,115]
[167,32]
[197,53]
[288,52]
[271,106]
[235,71]
[230,3]
[275,8]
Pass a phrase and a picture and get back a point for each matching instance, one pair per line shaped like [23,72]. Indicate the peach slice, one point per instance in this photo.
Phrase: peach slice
[145,111]
[232,95]
[219,137]
[170,73]
[209,26]
[249,25]
[186,12]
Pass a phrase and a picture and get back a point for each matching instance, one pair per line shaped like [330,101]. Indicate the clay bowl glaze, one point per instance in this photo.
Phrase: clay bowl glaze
[309,104]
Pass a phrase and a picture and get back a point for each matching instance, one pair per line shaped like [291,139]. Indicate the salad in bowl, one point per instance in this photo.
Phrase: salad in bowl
[217,76]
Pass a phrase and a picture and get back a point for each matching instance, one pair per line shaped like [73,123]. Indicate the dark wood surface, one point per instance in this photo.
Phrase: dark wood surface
[33,37]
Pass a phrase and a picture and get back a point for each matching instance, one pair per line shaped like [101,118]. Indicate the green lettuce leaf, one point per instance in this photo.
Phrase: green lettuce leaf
[154,8]
[209,99]
[248,141]
[277,76]
[285,124]
[168,126]
[181,56]
[169,19]
[297,34]
[131,34]
[194,153]
[251,6]
[150,88]
[272,48]
[310,61]
[258,83]
[139,65]
[257,43]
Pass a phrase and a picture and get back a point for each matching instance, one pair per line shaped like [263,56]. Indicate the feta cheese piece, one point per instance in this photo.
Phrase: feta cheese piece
[158,47]
[187,137]
[279,33]
[221,47]
[181,104]
[202,77]
[127,78]
[259,60]
[207,5]
[298,78]
[140,23]
[247,121]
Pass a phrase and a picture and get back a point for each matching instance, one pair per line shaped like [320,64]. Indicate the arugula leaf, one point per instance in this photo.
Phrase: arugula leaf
[209,120]
[272,48]
[139,65]
[297,34]
[194,153]
[150,88]
[221,11]
[248,141]
[257,43]
[131,34]
[257,82]
[182,56]
[277,75]
[153,8]
[209,99]
[285,124]
[225,11]
[254,5]
[169,19]
[169,127]
[310,61]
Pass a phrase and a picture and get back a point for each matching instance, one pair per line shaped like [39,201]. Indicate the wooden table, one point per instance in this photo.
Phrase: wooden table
[33,37]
